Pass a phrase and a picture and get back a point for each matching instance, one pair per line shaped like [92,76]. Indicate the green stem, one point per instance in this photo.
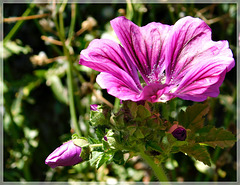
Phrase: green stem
[95,146]
[72,24]
[18,24]
[61,32]
[71,98]
[116,104]
[157,169]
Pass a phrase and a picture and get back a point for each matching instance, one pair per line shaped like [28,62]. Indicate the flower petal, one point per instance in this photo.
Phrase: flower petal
[185,41]
[122,89]
[197,64]
[144,45]
[201,82]
[155,92]
[107,56]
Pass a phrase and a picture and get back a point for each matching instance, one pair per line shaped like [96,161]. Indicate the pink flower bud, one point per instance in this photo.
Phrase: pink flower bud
[179,132]
[93,107]
[105,138]
[67,154]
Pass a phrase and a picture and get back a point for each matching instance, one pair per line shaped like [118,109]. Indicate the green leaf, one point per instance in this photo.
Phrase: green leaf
[154,146]
[213,137]
[138,134]
[107,157]
[197,151]
[100,133]
[57,87]
[193,117]
[131,129]
[13,47]
[95,157]
[99,158]
[133,108]
[118,157]
[142,112]
[106,146]
[97,118]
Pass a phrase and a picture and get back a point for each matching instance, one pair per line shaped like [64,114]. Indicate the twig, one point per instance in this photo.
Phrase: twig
[99,97]
[14,19]
[51,40]
[210,21]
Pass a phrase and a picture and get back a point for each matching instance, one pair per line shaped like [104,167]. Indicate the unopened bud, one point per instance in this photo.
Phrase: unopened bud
[93,107]
[178,131]
[67,154]
[89,23]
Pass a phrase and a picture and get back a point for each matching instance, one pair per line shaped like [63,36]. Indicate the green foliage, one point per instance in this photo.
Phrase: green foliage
[58,89]
[10,48]
[193,117]
[99,117]
[198,152]
[213,137]
[134,133]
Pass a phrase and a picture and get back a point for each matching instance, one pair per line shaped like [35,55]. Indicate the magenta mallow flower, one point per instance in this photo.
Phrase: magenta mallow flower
[158,62]
[67,154]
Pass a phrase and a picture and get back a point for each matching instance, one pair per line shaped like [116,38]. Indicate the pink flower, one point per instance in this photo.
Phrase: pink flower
[67,154]
[173,61]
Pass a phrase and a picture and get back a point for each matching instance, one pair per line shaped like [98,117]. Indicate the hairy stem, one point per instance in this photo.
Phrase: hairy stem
[157,169]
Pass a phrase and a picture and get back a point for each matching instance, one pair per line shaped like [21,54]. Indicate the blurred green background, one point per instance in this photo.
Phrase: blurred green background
[37,117]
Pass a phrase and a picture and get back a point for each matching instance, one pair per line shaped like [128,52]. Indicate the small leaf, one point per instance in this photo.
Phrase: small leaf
[100,132]
[13,47]
[154,146]
[95,157]
[138,133]
[213,137]
[131,129]
[193,117]
[143,113]
[106,146]
[97,118]
[118,157]
[133,108]
[197,151]
[107,157]
[57,87]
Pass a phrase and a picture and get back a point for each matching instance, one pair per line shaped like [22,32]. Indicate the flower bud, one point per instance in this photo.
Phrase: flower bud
[89,23]
[93,107]
[179,132]
[105,138]
[67,154]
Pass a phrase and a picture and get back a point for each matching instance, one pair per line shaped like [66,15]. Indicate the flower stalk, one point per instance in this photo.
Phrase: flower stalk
[157,169]
[69,74]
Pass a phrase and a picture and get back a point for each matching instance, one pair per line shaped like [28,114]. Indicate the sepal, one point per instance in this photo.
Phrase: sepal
[84,144]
